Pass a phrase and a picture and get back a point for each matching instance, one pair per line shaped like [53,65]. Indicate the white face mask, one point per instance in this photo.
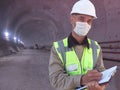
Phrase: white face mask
[82,28]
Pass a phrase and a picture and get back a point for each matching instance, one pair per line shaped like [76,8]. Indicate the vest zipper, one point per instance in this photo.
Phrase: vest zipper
[80,66]
[79,61]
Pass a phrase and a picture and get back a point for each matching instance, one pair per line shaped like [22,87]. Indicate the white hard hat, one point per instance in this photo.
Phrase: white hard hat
[84,7]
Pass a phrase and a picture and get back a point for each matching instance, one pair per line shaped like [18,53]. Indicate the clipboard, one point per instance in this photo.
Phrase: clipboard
[106,76]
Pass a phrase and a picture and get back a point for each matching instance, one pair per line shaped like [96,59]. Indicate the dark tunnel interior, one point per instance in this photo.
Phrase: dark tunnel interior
[27,24]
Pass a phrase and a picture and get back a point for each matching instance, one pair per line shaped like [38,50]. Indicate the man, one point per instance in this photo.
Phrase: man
[77,60]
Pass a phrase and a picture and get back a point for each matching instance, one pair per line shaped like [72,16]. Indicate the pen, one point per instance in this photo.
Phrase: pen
[82,88]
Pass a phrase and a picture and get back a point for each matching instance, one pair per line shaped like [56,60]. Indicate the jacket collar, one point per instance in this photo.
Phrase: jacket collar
[73,42]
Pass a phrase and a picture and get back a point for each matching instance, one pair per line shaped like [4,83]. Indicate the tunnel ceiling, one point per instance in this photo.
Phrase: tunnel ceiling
[36,21]
[27,16]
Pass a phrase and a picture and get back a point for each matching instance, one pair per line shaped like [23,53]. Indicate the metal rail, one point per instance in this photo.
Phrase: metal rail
[110,47]
[112,60]
[108,42]
[111,52]
[103,47]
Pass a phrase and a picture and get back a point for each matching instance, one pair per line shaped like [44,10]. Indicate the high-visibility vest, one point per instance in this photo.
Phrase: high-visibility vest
[72,64]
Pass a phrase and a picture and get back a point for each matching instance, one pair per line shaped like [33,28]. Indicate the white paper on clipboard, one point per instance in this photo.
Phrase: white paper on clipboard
[106,76]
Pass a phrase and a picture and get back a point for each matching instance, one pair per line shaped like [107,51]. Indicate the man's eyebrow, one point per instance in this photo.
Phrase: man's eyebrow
[81,17]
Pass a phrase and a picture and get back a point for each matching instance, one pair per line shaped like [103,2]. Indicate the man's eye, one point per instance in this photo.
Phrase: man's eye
[89,21]
[81,18]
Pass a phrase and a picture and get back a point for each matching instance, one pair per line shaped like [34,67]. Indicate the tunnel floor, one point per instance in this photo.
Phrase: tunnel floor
[28,70]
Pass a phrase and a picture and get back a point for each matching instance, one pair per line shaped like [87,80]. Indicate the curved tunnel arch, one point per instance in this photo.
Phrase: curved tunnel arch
[37,17]
[46,33]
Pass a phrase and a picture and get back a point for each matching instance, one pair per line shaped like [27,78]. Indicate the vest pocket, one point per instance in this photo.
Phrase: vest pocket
[72,69]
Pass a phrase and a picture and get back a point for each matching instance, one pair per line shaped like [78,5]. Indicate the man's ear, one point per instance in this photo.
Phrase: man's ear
[71,19]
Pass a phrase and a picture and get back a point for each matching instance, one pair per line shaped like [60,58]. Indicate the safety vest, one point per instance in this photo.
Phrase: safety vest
[68,57]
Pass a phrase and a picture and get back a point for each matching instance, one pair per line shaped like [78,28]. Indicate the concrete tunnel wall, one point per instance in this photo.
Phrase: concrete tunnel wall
[45,21]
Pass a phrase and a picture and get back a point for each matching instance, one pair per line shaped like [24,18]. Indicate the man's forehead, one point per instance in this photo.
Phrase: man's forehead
[82,15]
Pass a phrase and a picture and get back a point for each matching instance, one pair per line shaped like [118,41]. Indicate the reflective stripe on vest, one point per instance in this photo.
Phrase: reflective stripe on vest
[70,59]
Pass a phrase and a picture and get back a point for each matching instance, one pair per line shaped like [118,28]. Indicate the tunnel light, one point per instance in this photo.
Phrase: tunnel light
[15,39]
[19,40]
[6,35]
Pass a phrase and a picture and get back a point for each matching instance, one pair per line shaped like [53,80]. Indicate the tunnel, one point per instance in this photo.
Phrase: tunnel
[36,24]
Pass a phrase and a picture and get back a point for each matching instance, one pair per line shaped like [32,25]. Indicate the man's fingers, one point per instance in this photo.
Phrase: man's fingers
[94,79]
[94,86]
[92,75]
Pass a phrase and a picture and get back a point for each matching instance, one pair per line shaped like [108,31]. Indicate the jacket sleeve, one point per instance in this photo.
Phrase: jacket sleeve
[57,75]
[99,64]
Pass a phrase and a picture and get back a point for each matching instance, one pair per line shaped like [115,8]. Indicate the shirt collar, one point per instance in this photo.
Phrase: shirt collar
[73,42]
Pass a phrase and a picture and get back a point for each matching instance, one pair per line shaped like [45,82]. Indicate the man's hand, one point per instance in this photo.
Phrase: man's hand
[95,86]
[92,75]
